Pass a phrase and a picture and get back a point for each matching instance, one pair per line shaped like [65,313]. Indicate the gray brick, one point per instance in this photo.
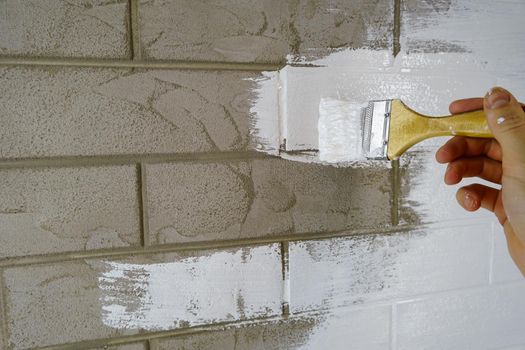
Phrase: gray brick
[75,28]
[363,328]
[227,200]
[104,298]
[52,210]
[90,111]
[261,31]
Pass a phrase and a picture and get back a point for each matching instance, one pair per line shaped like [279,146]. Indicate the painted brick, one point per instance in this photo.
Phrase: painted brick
[344,271]
[3,336]
[458,28]
[359,77]
[261,31]
[228,200]
[78,28]
[362,328]
[136,346]
[424,196]
[51,111]
[481,319]
[51,210]
[503,268]
[102,298]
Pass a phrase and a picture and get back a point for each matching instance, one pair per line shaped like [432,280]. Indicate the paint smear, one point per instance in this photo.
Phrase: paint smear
[193,290]
[264,115]
[427,74]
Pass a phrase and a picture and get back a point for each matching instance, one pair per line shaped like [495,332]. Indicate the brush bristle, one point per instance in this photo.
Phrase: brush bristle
[340,131]
[367,114]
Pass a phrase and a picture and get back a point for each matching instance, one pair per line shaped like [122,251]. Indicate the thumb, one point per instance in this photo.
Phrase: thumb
[506,120]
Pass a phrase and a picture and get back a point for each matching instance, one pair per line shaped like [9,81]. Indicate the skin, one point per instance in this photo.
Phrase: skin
[500,160]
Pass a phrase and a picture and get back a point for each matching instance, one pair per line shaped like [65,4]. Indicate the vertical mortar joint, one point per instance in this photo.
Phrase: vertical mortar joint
[396,190]
[285,261]
[397,27]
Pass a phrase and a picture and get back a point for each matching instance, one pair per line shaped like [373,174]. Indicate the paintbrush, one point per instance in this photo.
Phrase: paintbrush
[385,129]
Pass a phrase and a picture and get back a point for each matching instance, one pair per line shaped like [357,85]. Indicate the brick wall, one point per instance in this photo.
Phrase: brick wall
[135,213]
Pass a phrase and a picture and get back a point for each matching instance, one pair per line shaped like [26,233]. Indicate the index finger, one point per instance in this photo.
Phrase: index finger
[466,105]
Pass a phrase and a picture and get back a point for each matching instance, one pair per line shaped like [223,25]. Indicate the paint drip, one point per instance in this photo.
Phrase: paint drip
[340,131]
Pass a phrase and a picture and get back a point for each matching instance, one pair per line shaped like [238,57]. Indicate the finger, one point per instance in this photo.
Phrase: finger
[515,246]
[477,196]
[485,168]
[469,104]
[506,120]
[466,105]
[459,146]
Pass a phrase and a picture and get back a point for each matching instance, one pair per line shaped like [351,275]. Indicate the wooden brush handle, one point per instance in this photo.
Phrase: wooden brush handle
[408,127]
[471,124]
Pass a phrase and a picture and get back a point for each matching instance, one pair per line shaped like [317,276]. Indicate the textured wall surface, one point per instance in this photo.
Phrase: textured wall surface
[137,214]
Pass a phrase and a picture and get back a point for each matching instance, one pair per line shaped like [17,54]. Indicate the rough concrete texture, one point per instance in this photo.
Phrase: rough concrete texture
[362,328]
[101,298]
[73,111]
[229,200]
[53,210]
[74,28]
[344,271]
[261,31]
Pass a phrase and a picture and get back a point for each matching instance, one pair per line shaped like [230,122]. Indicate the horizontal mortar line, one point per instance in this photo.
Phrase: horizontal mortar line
[195,246]
[409,298]
[156,335]
[406,298]
[125,63]
[222,326]
[65,161]
[218,326]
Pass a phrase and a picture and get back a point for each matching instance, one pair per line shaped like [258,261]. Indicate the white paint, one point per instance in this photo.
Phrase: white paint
[363,328]
[489,37]
[340,131]
[264,113]
[339,272]
[224,286]
[489,33]
[489,318]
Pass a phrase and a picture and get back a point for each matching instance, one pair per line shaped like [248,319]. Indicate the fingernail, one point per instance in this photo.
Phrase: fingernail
[470,202]
[497,98]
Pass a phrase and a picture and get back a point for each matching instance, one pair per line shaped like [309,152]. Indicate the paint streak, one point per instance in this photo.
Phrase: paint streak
[192,290]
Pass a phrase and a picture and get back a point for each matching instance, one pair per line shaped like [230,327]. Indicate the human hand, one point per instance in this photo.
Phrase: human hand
[500,160]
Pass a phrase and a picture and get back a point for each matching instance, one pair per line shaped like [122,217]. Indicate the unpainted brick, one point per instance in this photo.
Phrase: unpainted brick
[52,111]
[73,28]
[51,210]
[261,31]
[74,301]
[229,200]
